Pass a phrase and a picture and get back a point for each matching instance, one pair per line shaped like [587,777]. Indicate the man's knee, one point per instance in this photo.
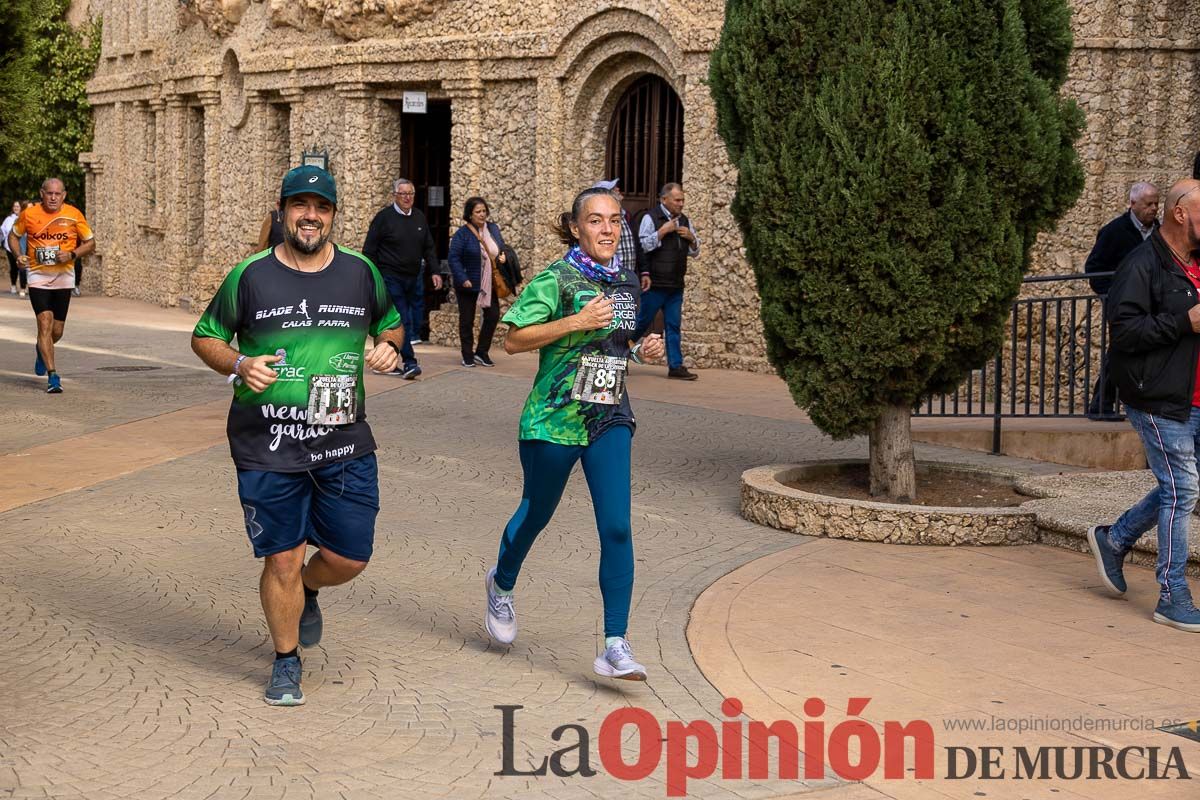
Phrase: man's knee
[284,567]
[344,567]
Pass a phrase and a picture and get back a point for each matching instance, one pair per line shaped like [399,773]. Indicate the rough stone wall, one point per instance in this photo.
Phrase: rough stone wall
[231,91]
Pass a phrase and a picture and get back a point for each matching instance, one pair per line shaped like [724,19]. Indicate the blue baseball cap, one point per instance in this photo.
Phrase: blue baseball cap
[308,180]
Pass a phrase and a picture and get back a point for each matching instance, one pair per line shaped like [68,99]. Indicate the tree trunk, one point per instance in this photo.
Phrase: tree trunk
[893,469]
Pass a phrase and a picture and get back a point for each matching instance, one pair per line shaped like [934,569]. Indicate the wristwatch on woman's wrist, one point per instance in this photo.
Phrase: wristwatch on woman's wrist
[635,353]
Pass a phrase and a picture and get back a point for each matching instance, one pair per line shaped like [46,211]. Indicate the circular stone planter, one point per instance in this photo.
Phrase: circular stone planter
[767,501]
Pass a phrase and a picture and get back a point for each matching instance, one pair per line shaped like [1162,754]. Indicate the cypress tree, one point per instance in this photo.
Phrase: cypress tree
[896,161]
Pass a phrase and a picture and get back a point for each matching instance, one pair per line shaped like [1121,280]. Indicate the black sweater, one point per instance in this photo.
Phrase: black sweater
[1116,240]
[398,242]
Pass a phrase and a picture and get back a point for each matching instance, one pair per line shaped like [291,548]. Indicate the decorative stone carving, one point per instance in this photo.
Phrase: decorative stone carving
[353,19]
[219,16]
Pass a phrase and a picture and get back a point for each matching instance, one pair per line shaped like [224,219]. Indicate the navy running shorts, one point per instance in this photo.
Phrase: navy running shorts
[331,507]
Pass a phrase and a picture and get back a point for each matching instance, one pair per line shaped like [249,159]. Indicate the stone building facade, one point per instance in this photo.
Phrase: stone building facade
[201,105]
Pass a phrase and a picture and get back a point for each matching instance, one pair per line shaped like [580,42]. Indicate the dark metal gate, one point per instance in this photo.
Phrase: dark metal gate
[645,141]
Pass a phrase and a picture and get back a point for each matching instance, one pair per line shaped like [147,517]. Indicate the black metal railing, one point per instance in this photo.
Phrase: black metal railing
[1051,365]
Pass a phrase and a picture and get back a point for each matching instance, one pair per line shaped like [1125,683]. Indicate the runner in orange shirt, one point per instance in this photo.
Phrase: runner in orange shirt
[57,234]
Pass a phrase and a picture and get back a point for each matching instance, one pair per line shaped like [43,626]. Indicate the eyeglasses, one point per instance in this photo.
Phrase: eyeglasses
[1185,194]
[406,194]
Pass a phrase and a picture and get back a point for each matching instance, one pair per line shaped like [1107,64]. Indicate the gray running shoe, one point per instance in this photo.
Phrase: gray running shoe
[501,618]
[311,623]
[284,688]
[617,662]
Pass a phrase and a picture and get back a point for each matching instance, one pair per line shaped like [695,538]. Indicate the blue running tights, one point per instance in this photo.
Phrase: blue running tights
[606,465]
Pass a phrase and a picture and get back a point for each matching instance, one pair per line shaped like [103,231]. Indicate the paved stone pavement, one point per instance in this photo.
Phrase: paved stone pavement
[975,641]
[135,652]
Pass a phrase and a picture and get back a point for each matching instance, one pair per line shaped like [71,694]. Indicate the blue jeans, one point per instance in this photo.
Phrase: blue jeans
[671,303]
[606,465]
[1171,449]
[408,295]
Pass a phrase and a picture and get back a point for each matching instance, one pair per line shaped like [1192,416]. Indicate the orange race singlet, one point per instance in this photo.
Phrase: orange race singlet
[47,234]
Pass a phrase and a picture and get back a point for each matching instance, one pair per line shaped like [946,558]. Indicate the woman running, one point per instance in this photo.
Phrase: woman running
[579,314]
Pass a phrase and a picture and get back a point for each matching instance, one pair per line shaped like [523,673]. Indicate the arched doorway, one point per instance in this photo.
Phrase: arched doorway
[645,141]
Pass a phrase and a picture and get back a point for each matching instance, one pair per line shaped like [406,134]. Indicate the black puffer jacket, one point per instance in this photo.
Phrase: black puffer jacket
[1154,350]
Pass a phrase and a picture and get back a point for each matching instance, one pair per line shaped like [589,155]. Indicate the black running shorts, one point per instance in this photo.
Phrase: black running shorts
[54,300]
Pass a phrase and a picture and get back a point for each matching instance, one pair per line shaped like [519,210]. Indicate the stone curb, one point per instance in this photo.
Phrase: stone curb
[767,501]
[1049,517]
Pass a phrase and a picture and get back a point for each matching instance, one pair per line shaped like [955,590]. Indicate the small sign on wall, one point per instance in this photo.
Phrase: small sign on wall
[414,102]
[437,196]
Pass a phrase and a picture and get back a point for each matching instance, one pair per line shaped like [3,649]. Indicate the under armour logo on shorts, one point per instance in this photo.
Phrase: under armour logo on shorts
[252,528]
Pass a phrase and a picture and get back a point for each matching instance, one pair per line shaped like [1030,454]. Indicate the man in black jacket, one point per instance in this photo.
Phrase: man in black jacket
[667,240]
[1115,241]
[1155,354]
[401,245]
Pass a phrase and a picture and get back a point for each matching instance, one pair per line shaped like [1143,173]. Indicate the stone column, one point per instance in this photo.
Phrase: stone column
[359,171]
[172,201]
[295,100]
[93,168]
[208,273]
[549,195]
[264,188]
[466,131]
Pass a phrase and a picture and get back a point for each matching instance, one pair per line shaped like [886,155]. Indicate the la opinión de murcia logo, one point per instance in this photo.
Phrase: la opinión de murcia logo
[854,749]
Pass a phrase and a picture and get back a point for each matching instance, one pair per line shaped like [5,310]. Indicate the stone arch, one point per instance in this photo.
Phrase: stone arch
[596,62]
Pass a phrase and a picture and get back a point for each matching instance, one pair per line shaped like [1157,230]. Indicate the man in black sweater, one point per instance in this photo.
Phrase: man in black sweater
[401,245]
[1115,241]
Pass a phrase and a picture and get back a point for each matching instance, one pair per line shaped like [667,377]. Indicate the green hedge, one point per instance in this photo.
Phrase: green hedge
[45,119]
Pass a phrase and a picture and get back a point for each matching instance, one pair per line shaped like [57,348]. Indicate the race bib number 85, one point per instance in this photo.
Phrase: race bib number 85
[599,379]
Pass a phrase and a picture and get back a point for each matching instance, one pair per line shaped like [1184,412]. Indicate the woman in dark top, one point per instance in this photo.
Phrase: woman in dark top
[474,249]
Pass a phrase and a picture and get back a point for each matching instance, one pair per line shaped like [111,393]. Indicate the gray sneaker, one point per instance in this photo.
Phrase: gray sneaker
[284,688]
[311,623]
[617,662]
[501,618]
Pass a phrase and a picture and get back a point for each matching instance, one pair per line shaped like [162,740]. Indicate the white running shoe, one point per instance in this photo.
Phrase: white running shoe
[501,618]
[617,662]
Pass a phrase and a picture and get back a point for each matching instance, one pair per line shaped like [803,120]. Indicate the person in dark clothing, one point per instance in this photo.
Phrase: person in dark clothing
[401,245]
[270,233]
[474,249]
[1115,241]
[667,240]
[1155,356]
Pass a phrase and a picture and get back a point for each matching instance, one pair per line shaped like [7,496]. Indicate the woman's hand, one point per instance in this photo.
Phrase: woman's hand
[467,285]
[597,314]
[652,347]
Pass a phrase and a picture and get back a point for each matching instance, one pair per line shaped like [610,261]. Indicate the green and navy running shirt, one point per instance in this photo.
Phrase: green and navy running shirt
[318,322]
[559,291]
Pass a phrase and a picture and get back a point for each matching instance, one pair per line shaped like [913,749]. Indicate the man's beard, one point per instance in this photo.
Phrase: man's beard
[300,246]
